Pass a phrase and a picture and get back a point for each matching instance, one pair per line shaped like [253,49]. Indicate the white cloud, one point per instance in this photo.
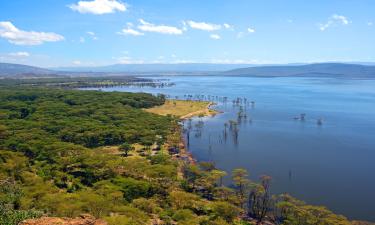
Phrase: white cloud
[98,7]
[163,29]
[215,36]
[342,19]
[20,37]
[130,31]
[250,30]
[20,54]
[227,26]
[203,26]
[82,40]
[184,26]
[370,23]
[334,20]
[243,34]
[92,35]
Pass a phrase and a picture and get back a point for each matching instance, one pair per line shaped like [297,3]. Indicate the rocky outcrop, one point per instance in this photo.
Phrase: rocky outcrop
[83,219]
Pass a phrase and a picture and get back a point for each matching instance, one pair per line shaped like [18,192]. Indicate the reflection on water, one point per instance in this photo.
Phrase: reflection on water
[314,136]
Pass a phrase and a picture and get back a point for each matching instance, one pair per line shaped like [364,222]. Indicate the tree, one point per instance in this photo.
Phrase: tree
[225,210]
[291,211]
[241,183]
[10,196]
[183,200]
[209,181]
[259,202]
[126,148]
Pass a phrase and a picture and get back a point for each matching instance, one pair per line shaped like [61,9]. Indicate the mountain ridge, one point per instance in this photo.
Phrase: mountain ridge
[319,69]
[12,70]
[338,70]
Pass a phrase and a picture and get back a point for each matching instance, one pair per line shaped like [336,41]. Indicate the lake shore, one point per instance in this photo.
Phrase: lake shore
[185,109]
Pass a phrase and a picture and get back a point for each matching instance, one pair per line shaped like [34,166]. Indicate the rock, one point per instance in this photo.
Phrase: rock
[84,219]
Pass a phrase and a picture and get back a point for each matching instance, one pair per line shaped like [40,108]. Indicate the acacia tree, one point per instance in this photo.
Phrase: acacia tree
[126,148]
[259,202]
[241,182]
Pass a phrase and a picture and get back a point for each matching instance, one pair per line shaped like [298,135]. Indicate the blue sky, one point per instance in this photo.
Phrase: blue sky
[52,33]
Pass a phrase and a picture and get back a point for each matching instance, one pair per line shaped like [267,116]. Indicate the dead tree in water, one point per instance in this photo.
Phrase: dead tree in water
[225,131]
[235,134]
[252,104]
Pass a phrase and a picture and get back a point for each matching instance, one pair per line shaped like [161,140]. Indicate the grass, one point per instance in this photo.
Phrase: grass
[183,109]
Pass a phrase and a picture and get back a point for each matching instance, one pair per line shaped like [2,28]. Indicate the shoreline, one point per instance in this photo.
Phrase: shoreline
[205,112]
[185,154]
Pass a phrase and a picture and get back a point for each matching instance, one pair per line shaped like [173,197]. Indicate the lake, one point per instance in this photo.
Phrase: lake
[331,164]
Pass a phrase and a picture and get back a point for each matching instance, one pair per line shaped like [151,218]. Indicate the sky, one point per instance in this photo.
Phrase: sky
[67,33]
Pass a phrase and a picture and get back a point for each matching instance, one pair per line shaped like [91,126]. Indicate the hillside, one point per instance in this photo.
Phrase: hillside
[338,70]
[64,153]
[10,70]
[158,67]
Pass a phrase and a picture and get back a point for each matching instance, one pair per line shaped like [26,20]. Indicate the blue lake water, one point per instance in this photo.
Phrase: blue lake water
[332,164]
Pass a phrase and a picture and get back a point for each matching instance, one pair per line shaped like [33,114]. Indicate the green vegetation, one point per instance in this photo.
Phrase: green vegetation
[54,161]
[84,82]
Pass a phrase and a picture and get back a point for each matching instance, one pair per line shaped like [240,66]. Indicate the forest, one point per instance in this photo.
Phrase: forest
[67,152]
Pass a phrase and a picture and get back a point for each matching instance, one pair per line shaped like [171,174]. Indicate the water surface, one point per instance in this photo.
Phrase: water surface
[330,165]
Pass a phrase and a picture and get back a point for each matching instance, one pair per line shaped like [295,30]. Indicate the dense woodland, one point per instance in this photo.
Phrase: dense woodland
[84,82]
[53,161]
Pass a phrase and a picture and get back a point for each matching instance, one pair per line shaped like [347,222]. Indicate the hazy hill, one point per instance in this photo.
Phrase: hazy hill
[10,70]
[143,68]
[287,70]
[320,70]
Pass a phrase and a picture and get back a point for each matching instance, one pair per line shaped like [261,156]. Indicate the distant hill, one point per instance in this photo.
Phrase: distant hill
[149,68]
[339,70]
[10,70]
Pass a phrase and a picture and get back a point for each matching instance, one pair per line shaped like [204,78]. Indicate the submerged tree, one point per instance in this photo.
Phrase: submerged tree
[225,131]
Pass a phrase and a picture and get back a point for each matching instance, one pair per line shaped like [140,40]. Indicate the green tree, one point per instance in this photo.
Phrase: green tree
[294,212]
[225,210]
[259,203]
[10,197]
[241,183]
[126,148]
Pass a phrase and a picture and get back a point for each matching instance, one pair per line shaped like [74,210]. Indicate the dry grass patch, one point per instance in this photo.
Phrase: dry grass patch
[183,108]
